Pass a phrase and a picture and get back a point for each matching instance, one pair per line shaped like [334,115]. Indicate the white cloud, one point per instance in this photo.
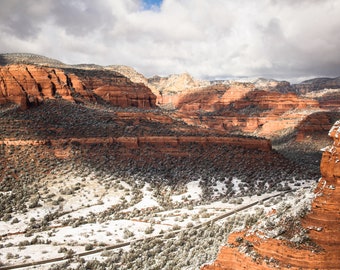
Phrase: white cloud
[280,39]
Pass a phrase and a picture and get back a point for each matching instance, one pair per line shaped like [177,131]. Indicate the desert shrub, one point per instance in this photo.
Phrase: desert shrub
[89,247]
[9,256]
[128,233]
[149,230]
[15,220]
[176,227]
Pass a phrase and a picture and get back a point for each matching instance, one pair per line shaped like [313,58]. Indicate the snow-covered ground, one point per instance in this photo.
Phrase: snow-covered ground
[80,212]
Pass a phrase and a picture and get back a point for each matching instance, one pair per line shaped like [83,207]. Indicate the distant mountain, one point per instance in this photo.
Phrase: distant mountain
[317,84]
[28,58]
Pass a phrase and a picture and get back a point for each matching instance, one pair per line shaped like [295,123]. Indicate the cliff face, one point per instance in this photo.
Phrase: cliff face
[28,85]
[212,98]
[25,85]
[319,247]
[242,108]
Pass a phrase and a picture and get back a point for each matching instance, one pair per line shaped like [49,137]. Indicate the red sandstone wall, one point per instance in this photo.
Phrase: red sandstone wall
[28,85]
[244,109]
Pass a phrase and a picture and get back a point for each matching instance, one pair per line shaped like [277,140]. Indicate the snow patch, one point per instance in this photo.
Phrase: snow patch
[194,192]
[148,200]
[236,182]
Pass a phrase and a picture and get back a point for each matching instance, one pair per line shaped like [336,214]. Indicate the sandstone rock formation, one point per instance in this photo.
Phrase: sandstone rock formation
[25,85]
[115,88]
[242,108]
[318,247]
[212,98]
[28,85]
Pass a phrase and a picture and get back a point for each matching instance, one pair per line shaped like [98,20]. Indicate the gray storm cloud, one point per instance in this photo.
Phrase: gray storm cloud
[209,39]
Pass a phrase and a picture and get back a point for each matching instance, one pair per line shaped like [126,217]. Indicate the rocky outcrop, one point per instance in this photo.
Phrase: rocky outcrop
[28,85]
[153,142]
[166,142]
[320,228]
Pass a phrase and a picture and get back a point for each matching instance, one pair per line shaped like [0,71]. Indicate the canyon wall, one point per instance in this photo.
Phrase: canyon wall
[28,85]
[242,108]
[320,228]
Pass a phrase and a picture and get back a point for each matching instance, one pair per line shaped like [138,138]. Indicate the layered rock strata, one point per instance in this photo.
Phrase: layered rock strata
[166,142]
[319,247]
[28,85]
[241,108]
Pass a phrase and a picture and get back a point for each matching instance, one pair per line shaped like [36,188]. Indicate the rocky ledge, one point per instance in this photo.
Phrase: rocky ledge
[314,238]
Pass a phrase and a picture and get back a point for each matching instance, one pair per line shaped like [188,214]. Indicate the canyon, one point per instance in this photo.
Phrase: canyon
[160,141]
[170,116]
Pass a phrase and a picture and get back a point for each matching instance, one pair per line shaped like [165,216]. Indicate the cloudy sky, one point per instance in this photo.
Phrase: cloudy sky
[283,39]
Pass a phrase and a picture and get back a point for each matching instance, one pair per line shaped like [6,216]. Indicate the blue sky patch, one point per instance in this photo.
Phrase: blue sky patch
[152,4]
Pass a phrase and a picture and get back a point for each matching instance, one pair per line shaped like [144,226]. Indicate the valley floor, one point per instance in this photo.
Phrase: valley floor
[79,211]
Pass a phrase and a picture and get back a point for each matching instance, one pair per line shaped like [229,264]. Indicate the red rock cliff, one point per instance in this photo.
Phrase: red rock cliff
[241,108]
[28,85]
[321,224]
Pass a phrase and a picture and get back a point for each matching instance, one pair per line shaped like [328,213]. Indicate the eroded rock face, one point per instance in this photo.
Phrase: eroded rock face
[115,88]
[28,85]
[242,108]
[212,98]
[319,250]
